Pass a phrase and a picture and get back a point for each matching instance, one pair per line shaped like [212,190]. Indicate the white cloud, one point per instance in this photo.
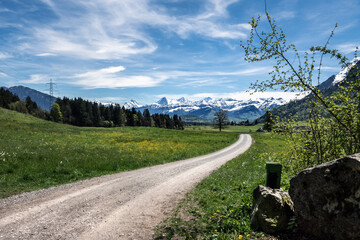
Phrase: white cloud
[108,29]
[110,99]
[110,78]
[347,47]
[37,78]
[115,77]
[2,74]
[4,55]
[285,15]
[45,54]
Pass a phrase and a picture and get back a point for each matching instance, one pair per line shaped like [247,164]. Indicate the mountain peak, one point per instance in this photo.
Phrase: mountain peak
[182,100]
[163,101]
[344,72]
[131,104]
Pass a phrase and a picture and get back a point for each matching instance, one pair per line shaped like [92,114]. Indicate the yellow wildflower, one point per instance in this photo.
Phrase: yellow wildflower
[240,237]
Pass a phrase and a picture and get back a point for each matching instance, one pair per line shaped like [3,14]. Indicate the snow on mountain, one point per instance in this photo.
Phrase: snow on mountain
[205,108]
[132,104]
[163,101]
[343,73]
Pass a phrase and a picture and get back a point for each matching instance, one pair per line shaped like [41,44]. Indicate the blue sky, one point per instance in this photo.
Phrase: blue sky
[117,50]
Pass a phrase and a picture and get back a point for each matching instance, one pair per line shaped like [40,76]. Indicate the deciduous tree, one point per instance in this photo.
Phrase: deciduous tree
[220,119]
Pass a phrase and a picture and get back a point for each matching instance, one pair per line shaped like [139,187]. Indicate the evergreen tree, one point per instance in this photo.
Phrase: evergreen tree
[30,105]
[6,97]
[96,119]
[140,119]
[269,122]
[147,118]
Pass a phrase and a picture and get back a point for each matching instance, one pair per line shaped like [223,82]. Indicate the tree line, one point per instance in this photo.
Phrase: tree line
[80,112]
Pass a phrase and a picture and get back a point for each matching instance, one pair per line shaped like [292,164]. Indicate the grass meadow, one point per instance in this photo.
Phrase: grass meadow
[236,129]
[36,154]
[220,206]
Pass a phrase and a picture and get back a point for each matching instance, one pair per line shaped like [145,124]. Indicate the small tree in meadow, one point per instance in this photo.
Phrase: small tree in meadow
[220,119]
[55,113]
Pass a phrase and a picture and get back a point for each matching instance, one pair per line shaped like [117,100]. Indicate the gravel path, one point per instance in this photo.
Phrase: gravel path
[126,205]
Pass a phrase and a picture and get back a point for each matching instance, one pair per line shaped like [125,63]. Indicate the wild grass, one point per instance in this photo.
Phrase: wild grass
[37,154]
[237,129]
[220,206]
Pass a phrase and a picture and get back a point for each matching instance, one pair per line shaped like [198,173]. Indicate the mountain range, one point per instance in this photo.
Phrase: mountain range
[237,110]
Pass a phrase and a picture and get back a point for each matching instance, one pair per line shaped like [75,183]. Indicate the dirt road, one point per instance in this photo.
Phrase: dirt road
[126,205]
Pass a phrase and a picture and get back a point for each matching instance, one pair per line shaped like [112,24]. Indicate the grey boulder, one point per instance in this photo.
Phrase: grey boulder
[327,199]
[272,210]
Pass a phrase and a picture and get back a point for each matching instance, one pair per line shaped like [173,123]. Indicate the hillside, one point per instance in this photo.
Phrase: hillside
[43,100]
[299,108]
[35,153]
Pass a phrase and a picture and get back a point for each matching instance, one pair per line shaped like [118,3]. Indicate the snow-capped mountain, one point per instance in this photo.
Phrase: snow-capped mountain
[344,72]
[205,108]
[299,109]
[132,104]
[335,79]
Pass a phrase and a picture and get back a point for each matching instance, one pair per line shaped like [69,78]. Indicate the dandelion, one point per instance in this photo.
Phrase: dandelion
[215,230]
[217,210]
[248,235]
[240,237]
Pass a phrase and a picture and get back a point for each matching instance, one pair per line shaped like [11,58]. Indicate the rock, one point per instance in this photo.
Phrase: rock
[260,130]
[327,199]
[272,209]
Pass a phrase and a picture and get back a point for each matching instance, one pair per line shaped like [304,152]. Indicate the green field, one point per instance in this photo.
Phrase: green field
[236,129]
[36,154]
[220,206]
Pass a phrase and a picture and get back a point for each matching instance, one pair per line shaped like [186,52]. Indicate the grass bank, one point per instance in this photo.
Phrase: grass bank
[36,154]
[220,206]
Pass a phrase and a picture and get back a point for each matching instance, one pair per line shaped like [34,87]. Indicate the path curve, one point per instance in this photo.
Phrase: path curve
[125,205]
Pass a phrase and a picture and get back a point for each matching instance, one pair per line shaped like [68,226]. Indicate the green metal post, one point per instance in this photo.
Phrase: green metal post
[273,175]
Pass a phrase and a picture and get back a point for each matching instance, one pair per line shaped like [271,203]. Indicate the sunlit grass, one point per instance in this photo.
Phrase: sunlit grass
[36,154]
[220,206]
[238,129]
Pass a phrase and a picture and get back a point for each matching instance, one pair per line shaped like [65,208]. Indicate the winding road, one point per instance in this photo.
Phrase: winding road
[125,205]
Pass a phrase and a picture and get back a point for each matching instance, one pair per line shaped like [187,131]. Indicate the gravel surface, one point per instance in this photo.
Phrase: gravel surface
[126,205]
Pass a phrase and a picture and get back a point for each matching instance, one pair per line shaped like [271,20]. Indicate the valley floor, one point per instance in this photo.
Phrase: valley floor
[126,205]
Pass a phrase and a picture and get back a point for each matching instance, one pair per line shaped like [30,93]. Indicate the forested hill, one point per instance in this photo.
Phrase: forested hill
[81,112]
[44,101]
[299,109]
